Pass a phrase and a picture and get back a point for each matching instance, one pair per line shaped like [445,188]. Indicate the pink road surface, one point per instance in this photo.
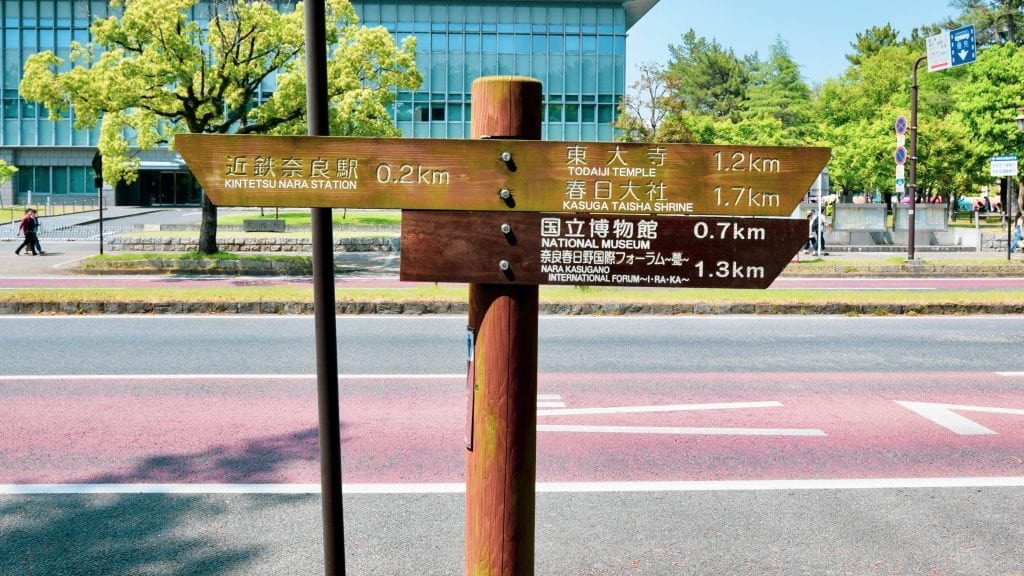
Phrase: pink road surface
[410,430]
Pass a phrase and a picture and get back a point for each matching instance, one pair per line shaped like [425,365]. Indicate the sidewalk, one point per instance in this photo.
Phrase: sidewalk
[62,257]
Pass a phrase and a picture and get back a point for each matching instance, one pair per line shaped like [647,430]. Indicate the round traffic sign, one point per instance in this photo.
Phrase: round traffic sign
[900,155]
[901,124]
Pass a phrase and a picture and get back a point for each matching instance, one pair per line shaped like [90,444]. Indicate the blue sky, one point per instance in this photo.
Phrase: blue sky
[819,32]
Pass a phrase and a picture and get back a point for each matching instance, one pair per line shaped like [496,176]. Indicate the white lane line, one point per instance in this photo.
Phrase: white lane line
[682,431]
[550,404]
[541,487]
[1011,374]
[34,377]
[661,408]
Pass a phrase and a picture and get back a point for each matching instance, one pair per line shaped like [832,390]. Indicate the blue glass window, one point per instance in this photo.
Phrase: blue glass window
[438,42]
[506,44]
[490,43]
[554,112]
[60,180]
[556,44]
[522,44]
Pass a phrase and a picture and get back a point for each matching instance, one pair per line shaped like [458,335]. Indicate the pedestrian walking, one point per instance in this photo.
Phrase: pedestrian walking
[35,217]
[27,227]
[1018,232]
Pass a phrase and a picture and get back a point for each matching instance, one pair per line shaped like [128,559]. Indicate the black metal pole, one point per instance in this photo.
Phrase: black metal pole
[324,306]
[99,193]
[1008,212]
[912,181]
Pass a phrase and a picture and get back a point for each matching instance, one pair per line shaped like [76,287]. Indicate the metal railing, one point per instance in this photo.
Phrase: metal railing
[80,232]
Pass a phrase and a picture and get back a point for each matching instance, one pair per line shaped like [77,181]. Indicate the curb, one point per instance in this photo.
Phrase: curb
[246,267]
[416,308]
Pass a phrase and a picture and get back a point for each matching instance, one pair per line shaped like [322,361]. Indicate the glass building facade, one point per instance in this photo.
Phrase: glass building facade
[575,48]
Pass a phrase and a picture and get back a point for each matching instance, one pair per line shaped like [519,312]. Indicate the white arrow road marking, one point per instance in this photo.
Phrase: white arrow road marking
[944,415]
[669,429]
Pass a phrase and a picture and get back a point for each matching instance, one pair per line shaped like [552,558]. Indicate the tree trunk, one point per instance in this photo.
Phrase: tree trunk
[208,228]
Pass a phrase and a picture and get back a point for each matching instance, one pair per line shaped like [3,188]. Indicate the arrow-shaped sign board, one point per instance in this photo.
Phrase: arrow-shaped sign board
[597,249]
[501,175]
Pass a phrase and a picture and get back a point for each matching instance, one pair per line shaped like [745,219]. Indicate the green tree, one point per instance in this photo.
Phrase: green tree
[6,171]
[703,78]
[642,111]
[152,71]
[987,103]
[869,42]
[996,21]
[856,113]
[780,93]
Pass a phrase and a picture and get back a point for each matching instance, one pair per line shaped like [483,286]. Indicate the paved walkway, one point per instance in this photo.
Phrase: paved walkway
[61,257]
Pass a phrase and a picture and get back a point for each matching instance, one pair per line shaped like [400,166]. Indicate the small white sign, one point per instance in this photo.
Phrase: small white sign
[940,55]
[901,139]
[901,171]
[1003,166]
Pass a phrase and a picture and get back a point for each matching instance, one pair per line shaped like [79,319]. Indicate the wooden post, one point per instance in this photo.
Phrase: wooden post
[501,462]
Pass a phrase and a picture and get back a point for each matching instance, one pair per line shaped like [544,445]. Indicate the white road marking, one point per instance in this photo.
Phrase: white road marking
[944,415]
[541,487]
[114,377]
[680,430]
[661,408]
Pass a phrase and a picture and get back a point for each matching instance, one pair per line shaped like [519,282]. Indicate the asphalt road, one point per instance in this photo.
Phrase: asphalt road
[719,445]
[430,345]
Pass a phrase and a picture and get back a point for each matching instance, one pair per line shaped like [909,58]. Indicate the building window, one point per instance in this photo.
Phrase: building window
[430,112]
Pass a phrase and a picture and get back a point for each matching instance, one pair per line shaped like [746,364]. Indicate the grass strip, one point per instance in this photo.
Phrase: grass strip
[457,293]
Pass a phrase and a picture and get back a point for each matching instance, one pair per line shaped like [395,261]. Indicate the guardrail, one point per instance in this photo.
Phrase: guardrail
[81,232]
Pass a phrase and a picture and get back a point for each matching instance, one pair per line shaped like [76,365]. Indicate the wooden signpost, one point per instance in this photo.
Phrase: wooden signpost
[506,213]
[501,174]
[597,249]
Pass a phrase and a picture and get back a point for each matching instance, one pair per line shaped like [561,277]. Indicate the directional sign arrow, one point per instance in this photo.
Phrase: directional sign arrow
[501,175]
[597,249]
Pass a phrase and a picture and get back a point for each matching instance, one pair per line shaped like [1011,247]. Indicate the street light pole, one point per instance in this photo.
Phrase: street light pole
[1012,202]
[912,181]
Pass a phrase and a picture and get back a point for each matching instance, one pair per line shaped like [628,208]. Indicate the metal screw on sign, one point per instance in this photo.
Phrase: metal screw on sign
[506,195]
[510,163]
[503,265]
[506,229]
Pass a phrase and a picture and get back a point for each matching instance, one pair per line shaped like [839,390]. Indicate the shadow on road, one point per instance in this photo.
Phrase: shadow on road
[111,535]
[256,461]
[121,535]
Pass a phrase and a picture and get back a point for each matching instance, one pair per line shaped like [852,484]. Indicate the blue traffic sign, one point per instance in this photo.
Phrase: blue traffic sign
[901,125]
[962,46]
[900,155]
